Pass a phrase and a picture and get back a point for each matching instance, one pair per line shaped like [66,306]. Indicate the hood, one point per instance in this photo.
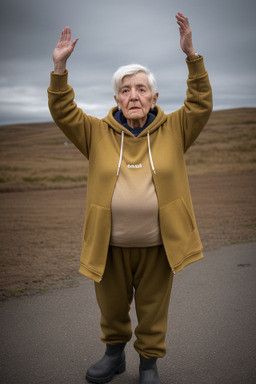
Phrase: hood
[118,127]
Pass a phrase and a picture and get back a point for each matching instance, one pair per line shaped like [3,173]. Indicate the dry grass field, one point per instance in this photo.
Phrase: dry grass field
[43,190]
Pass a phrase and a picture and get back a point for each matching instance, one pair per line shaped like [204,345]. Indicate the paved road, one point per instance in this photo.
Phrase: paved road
[53,338]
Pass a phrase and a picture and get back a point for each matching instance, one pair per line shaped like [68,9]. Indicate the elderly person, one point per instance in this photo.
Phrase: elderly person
[139,227]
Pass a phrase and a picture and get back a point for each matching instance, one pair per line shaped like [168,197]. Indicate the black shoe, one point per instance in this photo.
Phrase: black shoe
[148,371]
[113,362]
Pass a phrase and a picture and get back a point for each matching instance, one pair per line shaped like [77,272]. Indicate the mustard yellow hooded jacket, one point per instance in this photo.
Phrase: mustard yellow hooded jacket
[168,137]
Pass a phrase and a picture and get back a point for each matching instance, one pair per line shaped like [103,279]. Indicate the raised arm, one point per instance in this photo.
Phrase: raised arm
[74,123]
[194,114]
[63,50]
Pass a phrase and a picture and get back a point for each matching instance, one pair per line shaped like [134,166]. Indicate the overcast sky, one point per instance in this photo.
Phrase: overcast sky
[117,32]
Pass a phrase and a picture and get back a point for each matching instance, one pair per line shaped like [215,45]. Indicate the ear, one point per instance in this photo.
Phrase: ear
[155,97]
[116,99]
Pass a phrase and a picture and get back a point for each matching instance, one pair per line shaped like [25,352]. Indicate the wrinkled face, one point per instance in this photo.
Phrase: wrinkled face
[135,99]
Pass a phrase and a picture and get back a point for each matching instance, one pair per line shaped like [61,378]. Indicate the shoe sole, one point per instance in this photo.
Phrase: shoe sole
[100,380]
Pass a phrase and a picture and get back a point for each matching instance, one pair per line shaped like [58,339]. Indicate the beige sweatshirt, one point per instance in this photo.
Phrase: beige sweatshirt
[134,207]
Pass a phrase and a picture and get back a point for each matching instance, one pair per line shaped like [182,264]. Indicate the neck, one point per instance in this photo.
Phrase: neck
[135,123]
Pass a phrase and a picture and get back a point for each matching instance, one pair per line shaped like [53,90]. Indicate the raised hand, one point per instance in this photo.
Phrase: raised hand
[185,34]
[63,50]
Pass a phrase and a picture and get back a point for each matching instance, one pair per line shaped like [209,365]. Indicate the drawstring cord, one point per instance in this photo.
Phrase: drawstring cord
[121,153]
[150,155]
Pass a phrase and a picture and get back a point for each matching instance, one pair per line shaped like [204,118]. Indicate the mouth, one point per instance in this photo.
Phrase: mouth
[134,108]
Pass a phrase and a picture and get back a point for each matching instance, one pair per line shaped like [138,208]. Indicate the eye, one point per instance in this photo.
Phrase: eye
[142,90]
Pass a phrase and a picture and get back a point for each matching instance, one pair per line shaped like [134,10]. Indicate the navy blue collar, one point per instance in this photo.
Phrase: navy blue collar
[136,131]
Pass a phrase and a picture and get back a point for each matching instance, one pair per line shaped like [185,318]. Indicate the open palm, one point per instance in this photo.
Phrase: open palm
[64,47]
[185,34]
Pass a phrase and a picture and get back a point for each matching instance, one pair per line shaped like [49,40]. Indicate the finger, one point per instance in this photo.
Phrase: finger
[74,43]
[180,16]
[68,33]
[61,38]
[182,27]
[181,19]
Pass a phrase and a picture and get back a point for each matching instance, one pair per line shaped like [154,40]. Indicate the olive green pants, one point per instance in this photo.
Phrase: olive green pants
[145,274]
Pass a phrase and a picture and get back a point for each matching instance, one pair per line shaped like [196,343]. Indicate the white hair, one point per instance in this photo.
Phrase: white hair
[132,69]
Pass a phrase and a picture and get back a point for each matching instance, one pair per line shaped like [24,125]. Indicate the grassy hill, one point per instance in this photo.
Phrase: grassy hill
[38,156]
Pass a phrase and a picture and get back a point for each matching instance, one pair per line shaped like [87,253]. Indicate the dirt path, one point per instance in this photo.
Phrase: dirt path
[41,231]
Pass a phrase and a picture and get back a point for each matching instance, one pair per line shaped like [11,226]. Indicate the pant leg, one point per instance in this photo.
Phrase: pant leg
[114,295]
[153,282]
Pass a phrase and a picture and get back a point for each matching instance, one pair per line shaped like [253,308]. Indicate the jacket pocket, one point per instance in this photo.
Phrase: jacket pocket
[179,232]
[96,238]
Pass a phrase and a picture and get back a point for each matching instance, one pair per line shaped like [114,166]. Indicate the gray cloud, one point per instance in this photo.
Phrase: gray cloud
[117,32]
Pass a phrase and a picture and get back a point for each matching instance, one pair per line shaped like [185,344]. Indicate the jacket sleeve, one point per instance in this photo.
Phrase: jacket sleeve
[197,108]
[74,123]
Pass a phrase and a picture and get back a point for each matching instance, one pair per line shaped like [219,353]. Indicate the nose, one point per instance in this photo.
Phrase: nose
[133,94]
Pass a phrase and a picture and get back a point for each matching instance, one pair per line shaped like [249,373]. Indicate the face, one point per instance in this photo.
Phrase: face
[135,99]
